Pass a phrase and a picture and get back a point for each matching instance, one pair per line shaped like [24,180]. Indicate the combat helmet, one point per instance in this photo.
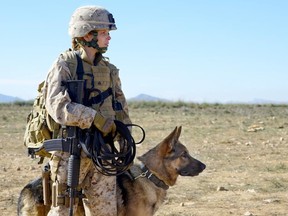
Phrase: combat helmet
[88,18]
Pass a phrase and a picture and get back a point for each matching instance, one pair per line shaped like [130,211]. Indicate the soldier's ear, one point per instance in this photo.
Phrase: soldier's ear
[88,37]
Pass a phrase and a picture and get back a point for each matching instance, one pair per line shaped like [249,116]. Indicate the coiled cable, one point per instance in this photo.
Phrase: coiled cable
[113,154]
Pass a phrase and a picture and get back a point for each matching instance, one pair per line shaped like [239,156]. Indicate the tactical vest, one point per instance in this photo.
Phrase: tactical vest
[98,80]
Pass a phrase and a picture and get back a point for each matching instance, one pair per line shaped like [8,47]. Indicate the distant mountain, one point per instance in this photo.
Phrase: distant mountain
[8,99]
[145,97]
[264,101]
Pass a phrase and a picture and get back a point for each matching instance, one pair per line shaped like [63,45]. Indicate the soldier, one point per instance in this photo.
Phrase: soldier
[89,29]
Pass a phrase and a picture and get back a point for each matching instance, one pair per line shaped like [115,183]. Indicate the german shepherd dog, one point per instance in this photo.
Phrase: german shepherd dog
[141,190]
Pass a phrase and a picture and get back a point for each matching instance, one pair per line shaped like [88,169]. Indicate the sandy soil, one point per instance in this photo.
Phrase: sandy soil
[245,149]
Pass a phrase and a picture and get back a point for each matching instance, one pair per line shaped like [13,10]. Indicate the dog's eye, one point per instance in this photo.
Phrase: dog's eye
[172,150]
[184,155]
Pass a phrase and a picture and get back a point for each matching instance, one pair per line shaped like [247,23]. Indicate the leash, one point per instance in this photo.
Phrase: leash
[112,157]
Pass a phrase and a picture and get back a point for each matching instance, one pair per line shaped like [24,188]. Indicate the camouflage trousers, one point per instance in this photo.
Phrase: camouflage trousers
[99,190]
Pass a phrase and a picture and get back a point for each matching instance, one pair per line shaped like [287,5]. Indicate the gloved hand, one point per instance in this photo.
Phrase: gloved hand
[105,125]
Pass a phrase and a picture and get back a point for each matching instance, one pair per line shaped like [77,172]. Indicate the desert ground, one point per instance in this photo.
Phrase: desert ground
[245,149]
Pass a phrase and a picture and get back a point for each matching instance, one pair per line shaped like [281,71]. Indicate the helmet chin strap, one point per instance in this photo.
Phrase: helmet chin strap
[93,43]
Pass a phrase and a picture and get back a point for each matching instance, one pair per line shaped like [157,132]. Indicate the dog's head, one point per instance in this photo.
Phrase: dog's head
[171,158]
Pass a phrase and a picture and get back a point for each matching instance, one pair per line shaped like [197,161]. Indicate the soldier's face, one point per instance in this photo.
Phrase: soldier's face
[103,38]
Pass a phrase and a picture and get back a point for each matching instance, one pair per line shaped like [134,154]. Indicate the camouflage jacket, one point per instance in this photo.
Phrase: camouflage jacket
[58,102]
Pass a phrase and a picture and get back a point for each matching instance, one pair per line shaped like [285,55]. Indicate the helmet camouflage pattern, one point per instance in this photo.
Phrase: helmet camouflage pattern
[89,18]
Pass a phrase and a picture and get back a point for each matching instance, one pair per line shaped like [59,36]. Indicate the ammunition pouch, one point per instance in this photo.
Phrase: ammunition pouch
[59,194]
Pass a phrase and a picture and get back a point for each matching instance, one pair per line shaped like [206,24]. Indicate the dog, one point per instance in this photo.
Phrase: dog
[141,190]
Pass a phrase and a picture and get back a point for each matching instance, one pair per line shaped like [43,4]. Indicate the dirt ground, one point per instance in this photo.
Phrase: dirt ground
[245,148]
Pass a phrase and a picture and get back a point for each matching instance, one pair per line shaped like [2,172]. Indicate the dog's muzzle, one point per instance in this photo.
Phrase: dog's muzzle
[193,170]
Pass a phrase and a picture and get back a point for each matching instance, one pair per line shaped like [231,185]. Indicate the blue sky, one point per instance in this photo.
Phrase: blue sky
[200,51]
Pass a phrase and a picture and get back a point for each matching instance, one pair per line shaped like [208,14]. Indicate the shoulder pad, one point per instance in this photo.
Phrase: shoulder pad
[69,57]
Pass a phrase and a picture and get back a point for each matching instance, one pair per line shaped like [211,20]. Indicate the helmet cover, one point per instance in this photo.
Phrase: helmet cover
[88,18]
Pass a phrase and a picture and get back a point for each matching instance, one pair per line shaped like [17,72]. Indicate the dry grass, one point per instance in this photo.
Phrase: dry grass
[245,148]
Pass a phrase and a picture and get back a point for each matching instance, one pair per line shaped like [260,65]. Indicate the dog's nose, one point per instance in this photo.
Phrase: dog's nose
[202,166]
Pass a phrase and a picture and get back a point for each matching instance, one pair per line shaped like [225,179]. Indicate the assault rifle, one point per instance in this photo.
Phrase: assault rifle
[76,92]
[71,144]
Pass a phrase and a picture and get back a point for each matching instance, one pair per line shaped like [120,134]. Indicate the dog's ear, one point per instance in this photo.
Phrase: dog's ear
[170,141]
[178,133]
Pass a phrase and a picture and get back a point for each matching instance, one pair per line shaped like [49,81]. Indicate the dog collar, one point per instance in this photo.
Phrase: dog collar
[149,175]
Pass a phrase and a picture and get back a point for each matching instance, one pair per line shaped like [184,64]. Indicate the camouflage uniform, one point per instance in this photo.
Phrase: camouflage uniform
[99,190]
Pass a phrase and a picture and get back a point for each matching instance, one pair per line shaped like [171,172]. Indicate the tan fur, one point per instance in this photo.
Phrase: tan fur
[139,197]
[36,211]
[144,197]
